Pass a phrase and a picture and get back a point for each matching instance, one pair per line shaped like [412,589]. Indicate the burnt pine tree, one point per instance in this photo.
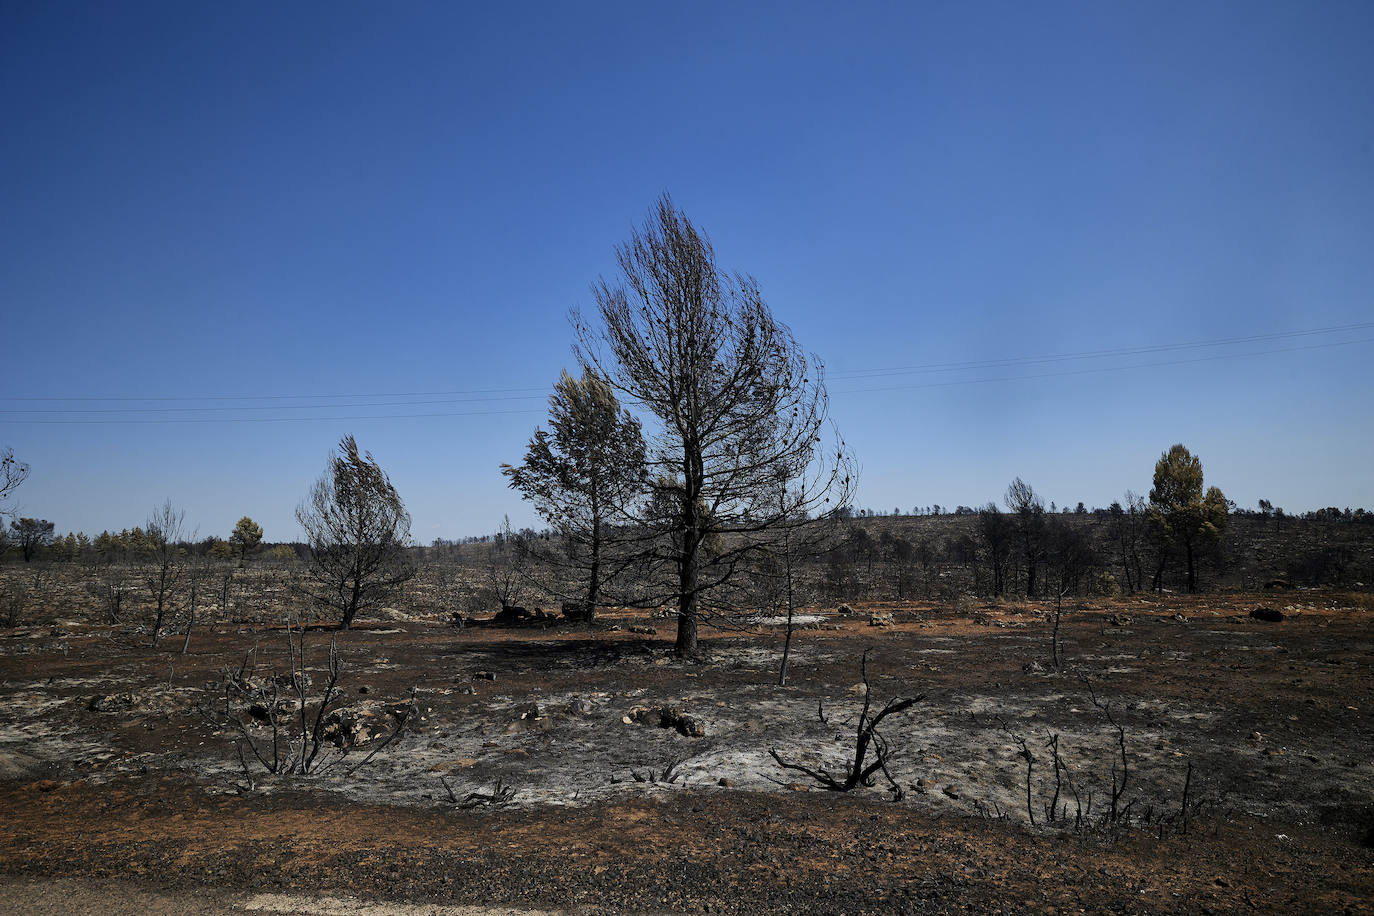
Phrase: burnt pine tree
[164,559]
[735,403]
[358,530]
[13,472]
[32,535]
[1028,511]
[581,475]
[1127,532]
[995,535]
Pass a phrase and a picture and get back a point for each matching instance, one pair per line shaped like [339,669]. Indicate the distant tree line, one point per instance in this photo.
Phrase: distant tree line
[690,463]
[35,539]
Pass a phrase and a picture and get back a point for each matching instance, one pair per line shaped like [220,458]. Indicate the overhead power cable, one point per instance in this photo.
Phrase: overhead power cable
[1092,354]
[1172,362]
[394,416]
[287,397]
[197,405]
[219,409]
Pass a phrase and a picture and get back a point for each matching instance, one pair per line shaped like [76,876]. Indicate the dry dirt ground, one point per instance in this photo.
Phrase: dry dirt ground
[532,775]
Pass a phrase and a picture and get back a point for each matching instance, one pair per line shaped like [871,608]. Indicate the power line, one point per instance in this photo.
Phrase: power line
[1173,362]
[108,410]
[284,397]
[178,420]
[944,384]
[852,374]
[499,396]
[1092,354]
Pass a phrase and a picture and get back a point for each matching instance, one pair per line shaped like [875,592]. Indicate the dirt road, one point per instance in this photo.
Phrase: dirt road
[72,897]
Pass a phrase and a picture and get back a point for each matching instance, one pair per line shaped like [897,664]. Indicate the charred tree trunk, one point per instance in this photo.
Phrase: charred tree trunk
[594,586]
[791,610]
[1192,565]
[355,598]
[687,594]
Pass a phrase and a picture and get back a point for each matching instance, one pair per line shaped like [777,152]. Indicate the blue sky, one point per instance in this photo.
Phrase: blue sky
[261,206]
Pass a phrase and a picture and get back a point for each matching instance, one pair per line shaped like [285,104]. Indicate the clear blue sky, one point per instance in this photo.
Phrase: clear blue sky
[254,201]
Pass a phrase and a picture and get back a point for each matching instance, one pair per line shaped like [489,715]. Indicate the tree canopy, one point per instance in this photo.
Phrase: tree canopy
[740,410]
[358,530]
[32,535]
[1182,512]
[246,535]
[583,476]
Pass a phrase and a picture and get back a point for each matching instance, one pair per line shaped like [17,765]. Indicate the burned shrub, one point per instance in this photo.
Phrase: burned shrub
[510,615]
[685,724]
[115,702]
[308,734]
[14,600]
[361,724]
[578,611]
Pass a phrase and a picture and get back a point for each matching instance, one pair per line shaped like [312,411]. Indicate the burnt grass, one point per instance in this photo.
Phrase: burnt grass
[1273,717]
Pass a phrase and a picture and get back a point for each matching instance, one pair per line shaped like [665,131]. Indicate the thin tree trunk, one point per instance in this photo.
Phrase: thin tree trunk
[687,595]
[1054,637]
[161,610]
[351,611]
[594,587]
[687,624]
[186,646]
[787,641]
[1192,566]
[1126,568]
[689,566]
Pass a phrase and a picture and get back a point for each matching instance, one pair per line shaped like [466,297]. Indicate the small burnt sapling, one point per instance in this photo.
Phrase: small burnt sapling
[1062,777]
[1026,755]
[196,574]
[1120,778]
[164,565]
[860,771]
[1120,811]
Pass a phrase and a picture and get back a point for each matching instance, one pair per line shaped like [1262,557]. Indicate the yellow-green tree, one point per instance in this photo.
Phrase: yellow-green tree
[135,541]
[247,534]
[1181,512]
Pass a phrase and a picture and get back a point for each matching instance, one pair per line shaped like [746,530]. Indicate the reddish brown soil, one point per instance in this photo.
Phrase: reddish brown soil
[727,852]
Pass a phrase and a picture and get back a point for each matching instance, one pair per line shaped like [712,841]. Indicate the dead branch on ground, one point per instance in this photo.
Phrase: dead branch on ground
[500,795]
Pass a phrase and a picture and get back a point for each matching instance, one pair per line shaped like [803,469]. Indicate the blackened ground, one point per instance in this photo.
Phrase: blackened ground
[1274,717]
